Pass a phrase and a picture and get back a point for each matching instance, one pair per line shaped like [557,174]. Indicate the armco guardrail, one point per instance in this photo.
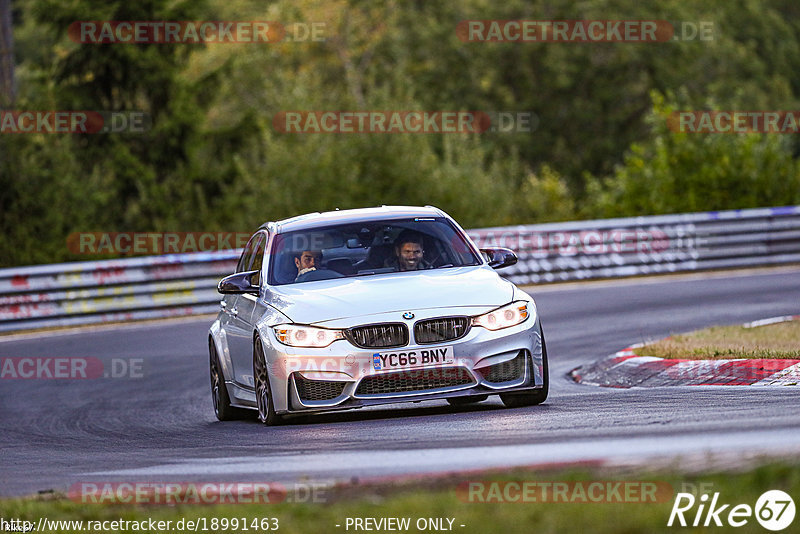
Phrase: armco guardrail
[185,284]
[610,248]
[113,290]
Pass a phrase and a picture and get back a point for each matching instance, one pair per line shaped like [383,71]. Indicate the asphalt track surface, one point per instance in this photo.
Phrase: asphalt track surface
[161,427]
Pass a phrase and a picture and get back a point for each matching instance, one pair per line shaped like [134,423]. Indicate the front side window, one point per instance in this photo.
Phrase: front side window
[246,259]
[258,260]
[367,248]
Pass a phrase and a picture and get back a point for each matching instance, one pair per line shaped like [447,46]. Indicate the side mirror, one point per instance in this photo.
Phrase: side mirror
[239,283]
[499,257]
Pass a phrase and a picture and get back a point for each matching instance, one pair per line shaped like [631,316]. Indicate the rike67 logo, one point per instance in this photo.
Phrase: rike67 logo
[774,510]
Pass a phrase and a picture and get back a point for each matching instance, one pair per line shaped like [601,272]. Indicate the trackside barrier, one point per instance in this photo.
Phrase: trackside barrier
[610,248]
[112,290]
[185,284]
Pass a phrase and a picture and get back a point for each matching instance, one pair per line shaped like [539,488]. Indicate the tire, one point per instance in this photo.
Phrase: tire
[266,408]
[532,398]
[219,391]
[463,401]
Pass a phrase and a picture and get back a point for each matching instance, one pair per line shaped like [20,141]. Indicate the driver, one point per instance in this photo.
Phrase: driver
[408,252]
[307,261]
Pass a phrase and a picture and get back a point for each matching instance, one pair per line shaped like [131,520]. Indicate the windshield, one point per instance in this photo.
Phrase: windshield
[366,248]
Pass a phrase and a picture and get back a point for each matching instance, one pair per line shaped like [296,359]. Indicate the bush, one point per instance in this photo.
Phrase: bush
[687,172]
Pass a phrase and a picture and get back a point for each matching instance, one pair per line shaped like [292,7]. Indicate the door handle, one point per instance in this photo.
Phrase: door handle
[234,312]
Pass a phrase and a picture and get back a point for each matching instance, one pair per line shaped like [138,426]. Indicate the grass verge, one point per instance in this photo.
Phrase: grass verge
[778,340]
[439,498]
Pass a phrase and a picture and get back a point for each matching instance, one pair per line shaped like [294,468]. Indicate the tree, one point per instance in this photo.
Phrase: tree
[687,172]
[7,84]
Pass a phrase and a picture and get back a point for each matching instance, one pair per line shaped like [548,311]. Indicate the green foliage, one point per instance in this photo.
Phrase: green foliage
[506,510]
[213,161]
[684,172]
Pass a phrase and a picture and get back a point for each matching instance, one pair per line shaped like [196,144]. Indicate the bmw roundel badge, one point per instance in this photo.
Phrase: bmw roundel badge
[408,315]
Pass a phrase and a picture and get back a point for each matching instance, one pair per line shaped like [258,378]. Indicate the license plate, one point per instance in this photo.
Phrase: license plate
[412,358]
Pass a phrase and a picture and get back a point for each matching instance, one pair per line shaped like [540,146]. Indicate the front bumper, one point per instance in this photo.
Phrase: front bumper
[341,376]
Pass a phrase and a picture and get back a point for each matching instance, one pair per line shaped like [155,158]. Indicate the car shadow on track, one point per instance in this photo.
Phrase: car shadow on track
[397,411]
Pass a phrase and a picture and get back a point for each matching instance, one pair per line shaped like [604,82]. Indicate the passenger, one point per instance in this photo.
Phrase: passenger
[307,261]
[408,252]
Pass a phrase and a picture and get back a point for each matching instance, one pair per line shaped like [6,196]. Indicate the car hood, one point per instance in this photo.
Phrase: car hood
[326,300]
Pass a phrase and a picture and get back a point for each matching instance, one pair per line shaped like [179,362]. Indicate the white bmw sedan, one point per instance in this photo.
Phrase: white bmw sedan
[352,308]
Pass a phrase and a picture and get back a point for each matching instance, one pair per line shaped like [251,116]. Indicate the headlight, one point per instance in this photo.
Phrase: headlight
[306,336]
[509,315]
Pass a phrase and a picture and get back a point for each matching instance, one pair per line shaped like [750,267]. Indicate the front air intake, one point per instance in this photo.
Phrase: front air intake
[441,329]
[506,371]
[317,390]
[414,380]
[379,336]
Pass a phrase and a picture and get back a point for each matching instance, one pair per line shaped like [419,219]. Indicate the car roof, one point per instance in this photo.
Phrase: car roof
[317,219]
